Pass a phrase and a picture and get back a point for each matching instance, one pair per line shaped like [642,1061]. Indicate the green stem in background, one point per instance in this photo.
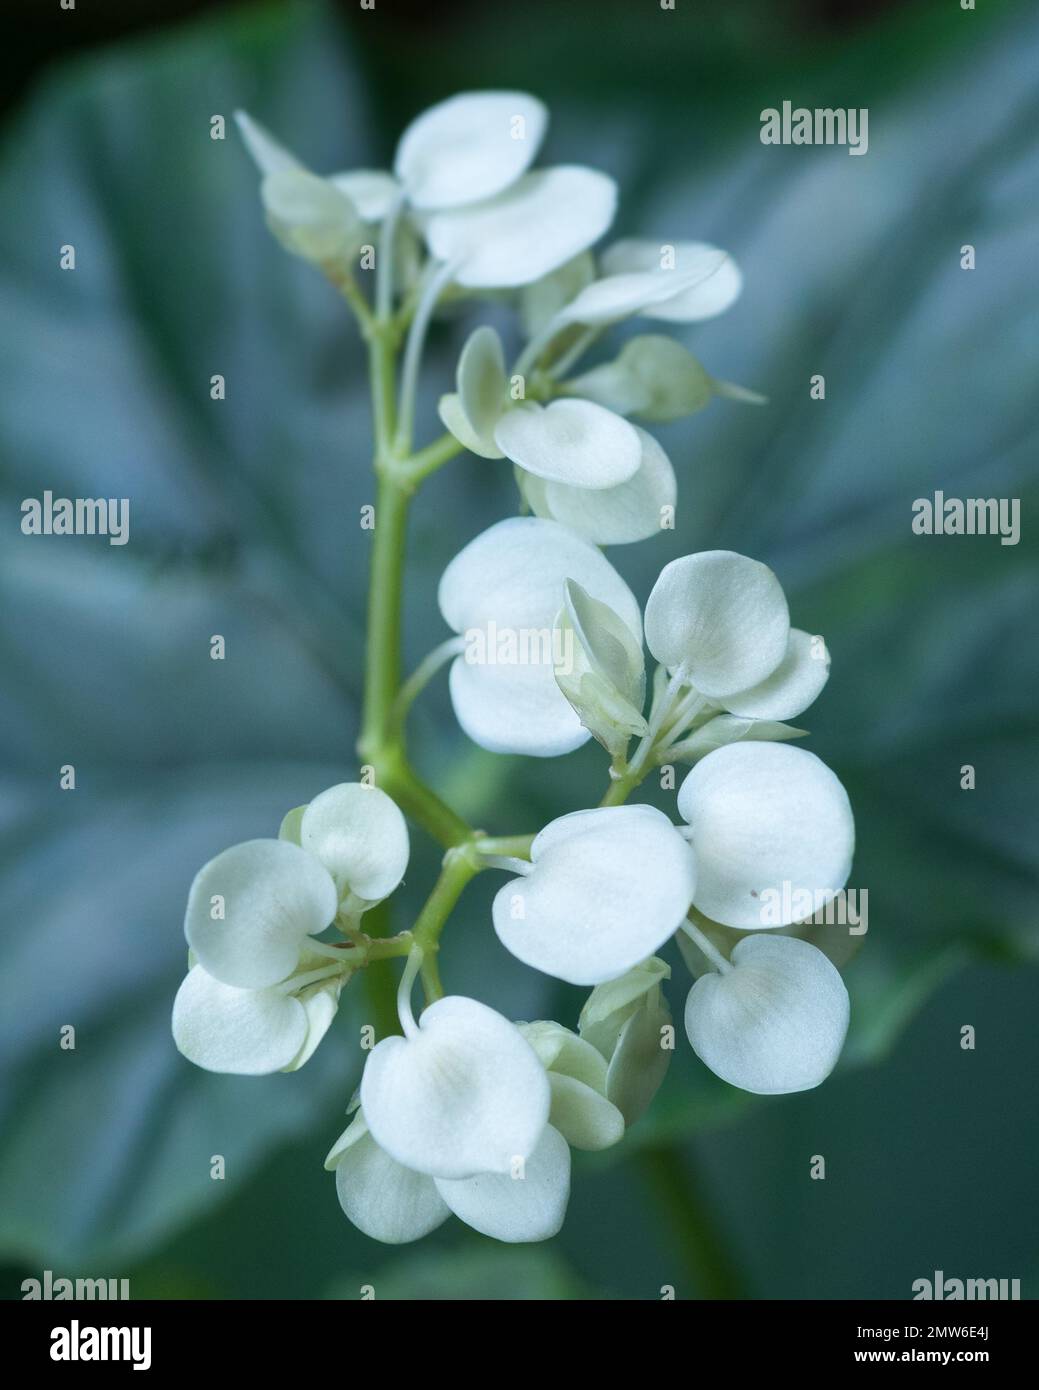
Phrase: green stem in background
[378,984]
[675,1186]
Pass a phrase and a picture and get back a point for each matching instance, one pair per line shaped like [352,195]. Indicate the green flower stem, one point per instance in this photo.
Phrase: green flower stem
[460,865]
[426,461]
[622,787]
[677,1191]
[509,846]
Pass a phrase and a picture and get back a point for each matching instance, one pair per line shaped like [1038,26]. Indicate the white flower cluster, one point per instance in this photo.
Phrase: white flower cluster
[467,1112]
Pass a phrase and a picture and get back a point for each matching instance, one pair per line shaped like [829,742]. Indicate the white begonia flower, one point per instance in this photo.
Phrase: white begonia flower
[536,225]
[503,591]
[761,816]
[252,908]
[602,671]
[463,1094]
[632,510]
[628,1021]
[469,147]
[395,1204]
[653,377]
[577,462]
[775,1021]
[577,1074]
[312,217]
[716,286]
[605,888]
[251,1032]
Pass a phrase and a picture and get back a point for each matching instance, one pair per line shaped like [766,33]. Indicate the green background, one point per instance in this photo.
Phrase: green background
[244,522]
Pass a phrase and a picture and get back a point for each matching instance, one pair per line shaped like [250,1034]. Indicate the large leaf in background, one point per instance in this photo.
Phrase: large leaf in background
[106,649]
[244,522]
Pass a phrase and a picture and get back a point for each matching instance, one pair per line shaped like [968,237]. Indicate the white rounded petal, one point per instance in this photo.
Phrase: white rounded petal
[481,382]
[360,836]
[246,1031]
[456,422]
[320,1003]
[584,1117]
[251,909]
[769,824]
[540,301]
[515,709]
[722,616]
[715,277]
[653,376]
[516,1208]
[631,511]
[513,573]
[570,441]
[372,191]
[795,683]
[467,1094]
[469,147]
[775,1022]
[607,888]
[618,297]
[562,1051]
[269,155]
[380,1196]
[531,229]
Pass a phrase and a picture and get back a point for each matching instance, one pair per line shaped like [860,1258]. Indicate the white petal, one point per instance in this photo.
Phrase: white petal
[774,1023]
[515,709]
[618,297]
[716,276]
[585,1119]
[515,1209]
[469,147]
[456,422]
[765,815]
[537,225]
[722,616]
[631,511]
[607,888]
[505,591]
[481,382]
[273,895]
[372,191]
[269,155]
[465,1095]
[570,441]
[246,1031]
[360,836]
[320,1003]
[793,685]
[380,1196]
[606,643]
[562,1051]
[514,573]
[610,1005]
[290,824]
